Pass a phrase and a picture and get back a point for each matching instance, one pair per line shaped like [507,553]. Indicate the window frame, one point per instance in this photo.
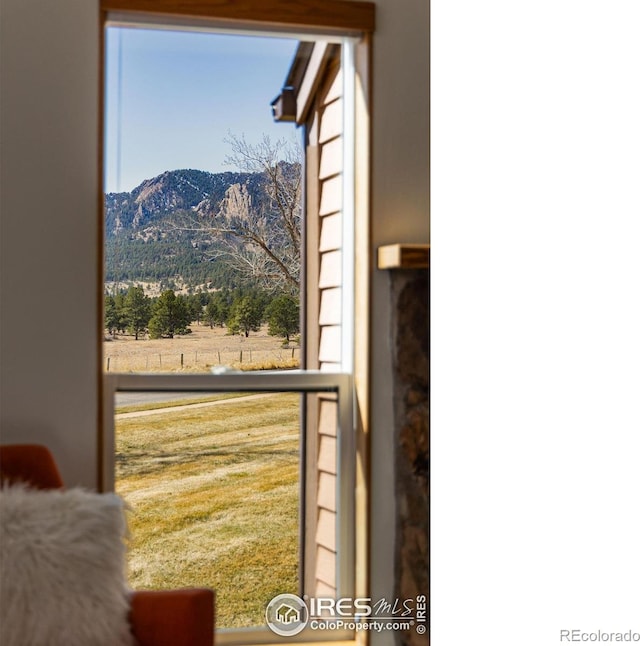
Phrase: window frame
[296,381]
[318,17]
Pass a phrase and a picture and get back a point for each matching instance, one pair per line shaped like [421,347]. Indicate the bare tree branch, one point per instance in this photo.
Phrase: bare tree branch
[260,237]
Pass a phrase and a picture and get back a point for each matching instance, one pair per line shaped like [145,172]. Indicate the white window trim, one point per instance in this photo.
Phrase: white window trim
[301,381]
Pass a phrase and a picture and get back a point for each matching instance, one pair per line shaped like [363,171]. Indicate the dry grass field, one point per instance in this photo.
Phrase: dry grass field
[199,352]
[214,499]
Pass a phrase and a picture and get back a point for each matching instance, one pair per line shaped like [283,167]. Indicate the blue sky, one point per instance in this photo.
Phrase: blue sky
[173,97]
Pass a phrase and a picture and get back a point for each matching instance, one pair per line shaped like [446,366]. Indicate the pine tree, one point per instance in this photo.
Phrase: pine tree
[137,310]
[171,316]
[246,314]
[120,317]
[111,319]
[283,316]
[217,309]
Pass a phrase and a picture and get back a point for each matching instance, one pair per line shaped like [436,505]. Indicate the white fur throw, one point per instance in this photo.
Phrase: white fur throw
[62,569]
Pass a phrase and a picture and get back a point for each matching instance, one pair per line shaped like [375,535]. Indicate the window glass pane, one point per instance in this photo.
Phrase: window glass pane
[228,248]
[213,482]
[203,204]
[217,484]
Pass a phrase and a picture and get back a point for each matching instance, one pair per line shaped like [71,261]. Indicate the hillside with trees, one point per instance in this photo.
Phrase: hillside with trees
[211,230]
[220,248]
[144,237]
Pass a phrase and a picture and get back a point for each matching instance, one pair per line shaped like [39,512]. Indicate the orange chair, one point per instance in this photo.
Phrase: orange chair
[158,617]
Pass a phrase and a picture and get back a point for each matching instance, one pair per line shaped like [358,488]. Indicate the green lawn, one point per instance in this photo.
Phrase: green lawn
[214,500]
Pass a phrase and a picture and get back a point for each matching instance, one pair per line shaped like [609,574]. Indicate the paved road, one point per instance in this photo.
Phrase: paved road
[173,409]
[137,399]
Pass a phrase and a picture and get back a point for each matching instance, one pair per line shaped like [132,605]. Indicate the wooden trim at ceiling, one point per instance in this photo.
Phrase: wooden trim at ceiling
[337,15]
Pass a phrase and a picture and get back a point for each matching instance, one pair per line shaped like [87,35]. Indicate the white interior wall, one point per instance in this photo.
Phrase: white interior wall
[48,187]
[400,203]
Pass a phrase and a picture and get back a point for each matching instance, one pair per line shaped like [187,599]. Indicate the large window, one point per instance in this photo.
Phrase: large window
[208,427]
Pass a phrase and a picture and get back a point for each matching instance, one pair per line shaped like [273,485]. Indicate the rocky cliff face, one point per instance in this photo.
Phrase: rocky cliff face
[165,229]
[168,193]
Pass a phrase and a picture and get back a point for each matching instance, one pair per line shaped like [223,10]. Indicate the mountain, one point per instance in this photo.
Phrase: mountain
[144,245]
[172,191]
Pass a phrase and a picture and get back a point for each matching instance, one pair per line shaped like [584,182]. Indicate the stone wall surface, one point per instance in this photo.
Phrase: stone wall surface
[410,325]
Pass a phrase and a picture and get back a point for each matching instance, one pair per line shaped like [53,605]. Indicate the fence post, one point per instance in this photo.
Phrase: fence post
[108,363]
[181,360]
[240,356]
